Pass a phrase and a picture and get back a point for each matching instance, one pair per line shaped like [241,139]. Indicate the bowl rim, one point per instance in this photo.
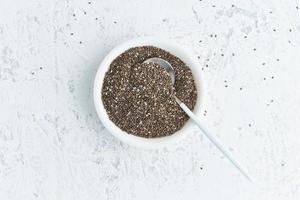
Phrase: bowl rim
[168,45]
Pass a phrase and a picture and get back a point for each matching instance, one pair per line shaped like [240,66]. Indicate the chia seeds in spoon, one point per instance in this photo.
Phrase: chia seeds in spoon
[138,97]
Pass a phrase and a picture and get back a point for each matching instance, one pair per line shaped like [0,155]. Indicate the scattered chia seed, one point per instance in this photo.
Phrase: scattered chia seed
[138,97]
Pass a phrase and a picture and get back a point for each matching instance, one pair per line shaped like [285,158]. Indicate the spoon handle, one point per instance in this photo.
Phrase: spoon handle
[211,138]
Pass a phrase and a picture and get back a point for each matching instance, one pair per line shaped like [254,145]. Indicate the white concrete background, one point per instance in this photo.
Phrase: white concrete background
[52,145]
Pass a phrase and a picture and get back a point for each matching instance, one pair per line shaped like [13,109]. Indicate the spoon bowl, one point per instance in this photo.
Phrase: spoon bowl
[165,65]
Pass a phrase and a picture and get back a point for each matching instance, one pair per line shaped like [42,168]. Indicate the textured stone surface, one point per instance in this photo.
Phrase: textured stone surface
[52,145]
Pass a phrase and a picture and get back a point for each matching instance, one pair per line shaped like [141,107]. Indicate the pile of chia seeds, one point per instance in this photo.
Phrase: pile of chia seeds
[139,97]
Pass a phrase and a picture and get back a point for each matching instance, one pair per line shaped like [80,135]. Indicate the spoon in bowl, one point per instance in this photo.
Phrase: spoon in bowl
[168,67]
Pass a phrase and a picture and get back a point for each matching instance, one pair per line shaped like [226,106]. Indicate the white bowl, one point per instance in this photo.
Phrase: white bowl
[174,49]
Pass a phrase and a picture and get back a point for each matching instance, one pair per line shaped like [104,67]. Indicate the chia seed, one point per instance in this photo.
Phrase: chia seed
[139,97]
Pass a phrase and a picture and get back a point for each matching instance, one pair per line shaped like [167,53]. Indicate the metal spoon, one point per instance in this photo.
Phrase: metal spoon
[168,67]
